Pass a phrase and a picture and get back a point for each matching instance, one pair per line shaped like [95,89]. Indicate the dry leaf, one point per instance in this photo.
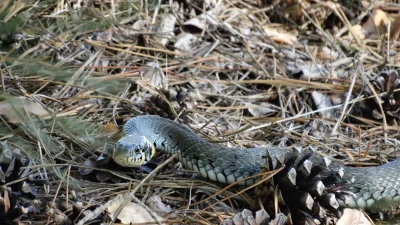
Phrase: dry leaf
[358,30]
[376,25]
[132,212]
[109,128]
[395,27]
[6,201]
[21,105]
[353,217]
[204,20]
[155,75]
[280,35]
[155,203]
[185,43]
[165,30]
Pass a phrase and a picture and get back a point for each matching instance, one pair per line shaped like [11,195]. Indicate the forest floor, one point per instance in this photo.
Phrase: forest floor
[309,75]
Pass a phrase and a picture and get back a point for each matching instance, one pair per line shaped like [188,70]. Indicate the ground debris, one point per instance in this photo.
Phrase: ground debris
[317,76]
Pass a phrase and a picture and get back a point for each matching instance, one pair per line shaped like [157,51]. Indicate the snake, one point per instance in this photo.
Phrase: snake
[375,189]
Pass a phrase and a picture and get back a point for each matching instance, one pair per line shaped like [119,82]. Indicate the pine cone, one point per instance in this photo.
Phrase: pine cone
[385,84]
[17,197]
[301,187]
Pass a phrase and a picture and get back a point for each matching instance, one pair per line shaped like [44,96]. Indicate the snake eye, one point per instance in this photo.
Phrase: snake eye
[137,150]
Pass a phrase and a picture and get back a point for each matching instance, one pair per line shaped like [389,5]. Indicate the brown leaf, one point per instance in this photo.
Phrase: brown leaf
[395,27]
[6,201]
[132,212]
[376,25]
[278,33]
[109,128]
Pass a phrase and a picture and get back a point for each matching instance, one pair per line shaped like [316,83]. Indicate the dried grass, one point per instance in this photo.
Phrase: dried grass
[251,78]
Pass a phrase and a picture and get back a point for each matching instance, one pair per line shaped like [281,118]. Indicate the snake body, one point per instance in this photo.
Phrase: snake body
[373,188]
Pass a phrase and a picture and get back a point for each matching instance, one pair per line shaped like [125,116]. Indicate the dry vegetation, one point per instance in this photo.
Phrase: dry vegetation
[314,75]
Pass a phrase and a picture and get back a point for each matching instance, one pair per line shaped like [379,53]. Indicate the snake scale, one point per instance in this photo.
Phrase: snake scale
[372,188]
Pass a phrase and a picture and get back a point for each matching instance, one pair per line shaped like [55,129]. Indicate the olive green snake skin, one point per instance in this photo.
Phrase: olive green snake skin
[372,188]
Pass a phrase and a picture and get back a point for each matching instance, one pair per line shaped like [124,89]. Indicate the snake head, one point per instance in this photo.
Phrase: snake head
[133,151]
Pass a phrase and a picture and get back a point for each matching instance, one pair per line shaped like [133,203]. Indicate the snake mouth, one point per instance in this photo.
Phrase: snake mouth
[134,161]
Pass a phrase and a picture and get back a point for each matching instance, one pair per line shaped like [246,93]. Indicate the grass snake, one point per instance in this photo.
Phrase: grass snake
[375,189]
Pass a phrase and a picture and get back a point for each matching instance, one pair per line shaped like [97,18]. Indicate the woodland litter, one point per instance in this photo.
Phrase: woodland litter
[317,76]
